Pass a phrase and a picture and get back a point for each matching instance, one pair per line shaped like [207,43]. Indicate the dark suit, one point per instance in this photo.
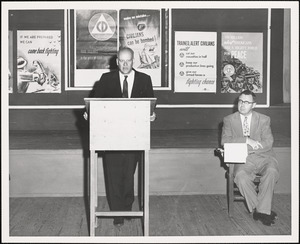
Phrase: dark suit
[109,86]
[119,166]
[262,161]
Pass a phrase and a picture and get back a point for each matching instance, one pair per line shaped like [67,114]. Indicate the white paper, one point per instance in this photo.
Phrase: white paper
[235,152]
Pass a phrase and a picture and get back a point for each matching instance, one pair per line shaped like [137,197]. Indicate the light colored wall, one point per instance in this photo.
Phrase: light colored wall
[40,173]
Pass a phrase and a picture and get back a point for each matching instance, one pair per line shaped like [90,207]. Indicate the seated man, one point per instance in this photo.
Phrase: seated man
[253,128]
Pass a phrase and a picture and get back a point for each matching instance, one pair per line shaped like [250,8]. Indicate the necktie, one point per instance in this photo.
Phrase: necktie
[246,127]
[125,87]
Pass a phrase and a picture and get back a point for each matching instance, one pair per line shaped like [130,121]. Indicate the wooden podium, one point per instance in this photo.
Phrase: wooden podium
[118,124]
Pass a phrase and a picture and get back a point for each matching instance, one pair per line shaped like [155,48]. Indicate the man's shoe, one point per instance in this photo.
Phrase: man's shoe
[273,215]
[266,219]
[119,221]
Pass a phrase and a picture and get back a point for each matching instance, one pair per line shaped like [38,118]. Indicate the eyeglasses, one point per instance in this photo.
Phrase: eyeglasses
[122,61]
[245,102]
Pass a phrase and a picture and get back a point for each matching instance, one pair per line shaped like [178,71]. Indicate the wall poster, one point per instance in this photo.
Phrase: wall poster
[39,61]
[140,30]
[96,45]
[195,61]
[242,62]
[10,61]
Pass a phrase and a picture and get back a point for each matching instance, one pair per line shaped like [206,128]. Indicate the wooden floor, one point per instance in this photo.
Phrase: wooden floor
[185,215]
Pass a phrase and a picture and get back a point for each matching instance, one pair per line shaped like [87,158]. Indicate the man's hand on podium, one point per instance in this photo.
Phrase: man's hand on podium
[153,117]
[85,115]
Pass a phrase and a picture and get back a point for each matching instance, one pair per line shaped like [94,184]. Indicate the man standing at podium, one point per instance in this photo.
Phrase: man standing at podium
[119,166]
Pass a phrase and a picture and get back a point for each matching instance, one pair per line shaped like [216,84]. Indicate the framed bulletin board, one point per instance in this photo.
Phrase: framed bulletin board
[216,53]
[230,50]
[224,51]
[95,35]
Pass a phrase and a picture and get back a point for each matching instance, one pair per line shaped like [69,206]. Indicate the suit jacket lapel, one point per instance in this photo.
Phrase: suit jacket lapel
[238,124]
[254,123]
[135,84]
[116,79]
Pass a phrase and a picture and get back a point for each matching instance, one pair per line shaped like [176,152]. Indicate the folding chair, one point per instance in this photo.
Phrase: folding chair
[233,193]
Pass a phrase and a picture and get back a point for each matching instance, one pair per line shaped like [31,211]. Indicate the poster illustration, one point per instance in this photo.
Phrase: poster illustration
[195,61]
[96,45]
[39,61]
[96,38]
[140,30]
[242,62]
[10,62]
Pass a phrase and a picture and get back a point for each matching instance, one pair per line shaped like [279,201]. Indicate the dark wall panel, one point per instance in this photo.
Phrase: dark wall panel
[276,57]
[181,118]
[167,119]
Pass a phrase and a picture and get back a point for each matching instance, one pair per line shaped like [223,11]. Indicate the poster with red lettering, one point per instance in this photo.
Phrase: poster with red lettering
[242,62]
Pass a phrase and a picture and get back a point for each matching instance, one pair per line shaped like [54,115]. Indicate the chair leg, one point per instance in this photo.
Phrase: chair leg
[142,180]
[230,193]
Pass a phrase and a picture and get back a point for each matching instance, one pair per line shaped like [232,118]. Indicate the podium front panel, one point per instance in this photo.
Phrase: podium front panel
[120,125]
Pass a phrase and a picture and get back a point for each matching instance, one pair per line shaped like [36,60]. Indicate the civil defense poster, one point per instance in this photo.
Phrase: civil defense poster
[140,30]
[242,62]
[195,61]
[39,61]
[96,45]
